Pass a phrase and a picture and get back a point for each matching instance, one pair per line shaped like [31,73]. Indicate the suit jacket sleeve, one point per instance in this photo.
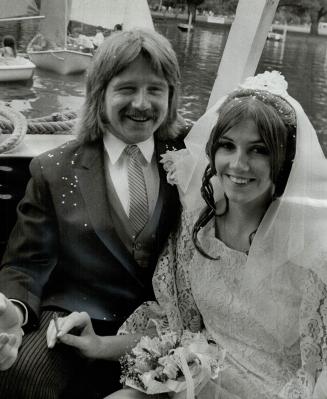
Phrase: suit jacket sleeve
[31,253]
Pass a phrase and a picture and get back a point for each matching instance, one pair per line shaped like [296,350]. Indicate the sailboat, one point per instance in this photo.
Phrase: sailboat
[58,59]
[18,68]
[106,13]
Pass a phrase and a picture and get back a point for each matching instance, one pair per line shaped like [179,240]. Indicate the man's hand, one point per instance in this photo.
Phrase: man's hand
[10,333]
[87,341]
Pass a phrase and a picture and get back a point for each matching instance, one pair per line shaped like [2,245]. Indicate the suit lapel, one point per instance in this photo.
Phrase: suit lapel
[90,170]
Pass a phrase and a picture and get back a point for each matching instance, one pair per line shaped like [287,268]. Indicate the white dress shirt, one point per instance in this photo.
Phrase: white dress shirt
[116,163]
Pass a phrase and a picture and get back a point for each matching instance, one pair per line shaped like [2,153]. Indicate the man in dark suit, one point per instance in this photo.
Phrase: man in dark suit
[95,216]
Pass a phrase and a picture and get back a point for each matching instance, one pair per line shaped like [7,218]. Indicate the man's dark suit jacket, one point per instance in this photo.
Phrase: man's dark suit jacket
[64,251]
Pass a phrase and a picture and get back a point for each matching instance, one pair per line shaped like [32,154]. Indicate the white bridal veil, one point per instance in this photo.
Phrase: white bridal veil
[294,228]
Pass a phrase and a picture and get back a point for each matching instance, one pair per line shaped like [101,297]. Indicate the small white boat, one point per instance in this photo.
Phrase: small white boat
[16,69]
[277,37]
[184,27]
[61,61]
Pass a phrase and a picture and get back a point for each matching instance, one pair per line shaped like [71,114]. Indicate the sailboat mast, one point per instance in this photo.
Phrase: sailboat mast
[66,25]
[243,49]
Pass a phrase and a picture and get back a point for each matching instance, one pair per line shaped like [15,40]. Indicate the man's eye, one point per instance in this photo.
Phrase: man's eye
[260,149]
[127,89]
[155,89]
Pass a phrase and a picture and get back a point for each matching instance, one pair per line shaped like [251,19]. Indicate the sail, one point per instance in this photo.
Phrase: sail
[17,8]
[137,14]
[108,13]
[54,26]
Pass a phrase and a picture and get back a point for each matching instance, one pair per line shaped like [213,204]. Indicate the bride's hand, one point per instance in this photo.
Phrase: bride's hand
[88,343]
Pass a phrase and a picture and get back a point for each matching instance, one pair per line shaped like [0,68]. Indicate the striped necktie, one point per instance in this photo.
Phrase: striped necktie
[138,209]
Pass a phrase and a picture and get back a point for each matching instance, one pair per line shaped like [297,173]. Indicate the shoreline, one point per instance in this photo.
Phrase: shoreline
[202,20]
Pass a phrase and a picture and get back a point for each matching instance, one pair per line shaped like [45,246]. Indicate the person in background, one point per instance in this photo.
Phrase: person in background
[98,38]
[85,43]
[79,42]
[250,266]
[118,27]
[95,217]
[40,43]
[9,47]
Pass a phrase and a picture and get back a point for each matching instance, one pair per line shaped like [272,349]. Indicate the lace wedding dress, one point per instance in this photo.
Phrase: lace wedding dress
[273,338]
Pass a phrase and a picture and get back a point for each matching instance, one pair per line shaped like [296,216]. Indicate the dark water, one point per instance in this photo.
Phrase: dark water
[301,59]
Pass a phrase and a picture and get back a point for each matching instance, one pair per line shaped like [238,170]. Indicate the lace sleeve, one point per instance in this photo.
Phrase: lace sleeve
[175,308]
[313,324]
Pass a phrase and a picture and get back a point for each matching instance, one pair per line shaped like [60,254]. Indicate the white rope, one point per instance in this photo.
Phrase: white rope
[20,127]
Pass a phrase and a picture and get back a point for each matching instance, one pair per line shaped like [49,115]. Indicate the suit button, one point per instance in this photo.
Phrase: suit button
[138,245]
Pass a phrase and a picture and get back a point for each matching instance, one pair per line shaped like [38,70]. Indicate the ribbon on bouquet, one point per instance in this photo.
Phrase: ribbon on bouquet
[195,360]
[201,379]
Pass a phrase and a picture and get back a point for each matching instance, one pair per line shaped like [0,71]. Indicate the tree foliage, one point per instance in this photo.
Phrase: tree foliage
[192,5]
[302,10]
[315,9]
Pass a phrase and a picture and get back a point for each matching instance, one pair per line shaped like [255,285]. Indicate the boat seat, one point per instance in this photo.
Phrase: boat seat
[14,175]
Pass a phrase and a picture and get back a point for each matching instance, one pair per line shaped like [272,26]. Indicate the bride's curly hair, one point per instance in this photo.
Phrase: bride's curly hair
[276,122]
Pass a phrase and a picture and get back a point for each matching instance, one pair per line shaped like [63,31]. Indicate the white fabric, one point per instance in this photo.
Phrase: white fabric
[98,39]
[268,309]
[262,361]
[295,226]
[118,168]
[189,164]
[24,310]
[85,41]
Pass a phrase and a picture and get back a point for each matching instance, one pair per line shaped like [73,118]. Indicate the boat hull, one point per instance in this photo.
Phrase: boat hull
[63,62]
[277,37]
[184,27]
[15,72]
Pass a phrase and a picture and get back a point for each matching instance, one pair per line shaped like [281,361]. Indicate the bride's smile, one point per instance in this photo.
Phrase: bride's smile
[243,164]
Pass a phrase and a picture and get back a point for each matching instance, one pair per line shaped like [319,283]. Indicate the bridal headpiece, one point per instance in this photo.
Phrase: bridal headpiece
[273,82]
[271,89]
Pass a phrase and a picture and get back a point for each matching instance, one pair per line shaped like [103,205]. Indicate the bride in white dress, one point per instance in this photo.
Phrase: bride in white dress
[251,266]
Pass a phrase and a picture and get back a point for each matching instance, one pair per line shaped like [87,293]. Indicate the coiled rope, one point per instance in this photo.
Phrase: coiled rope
[14,124]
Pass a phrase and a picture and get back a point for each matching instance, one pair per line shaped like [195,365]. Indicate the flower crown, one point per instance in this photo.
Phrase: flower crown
[273,82]
[271,89]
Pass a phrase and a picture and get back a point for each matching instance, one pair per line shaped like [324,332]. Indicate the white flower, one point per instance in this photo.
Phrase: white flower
[170,367]
[147,345]
[148,377]
[173,162]
[273,81]
[172,363]
[168,342]
[143,365]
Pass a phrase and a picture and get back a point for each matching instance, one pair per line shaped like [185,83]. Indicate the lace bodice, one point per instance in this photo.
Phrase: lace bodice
[273,337]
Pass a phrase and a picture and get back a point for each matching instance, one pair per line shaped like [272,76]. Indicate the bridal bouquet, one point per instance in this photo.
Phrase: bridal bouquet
[172,363]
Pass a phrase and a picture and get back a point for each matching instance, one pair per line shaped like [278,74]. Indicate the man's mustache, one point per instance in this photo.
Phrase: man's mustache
[146,114]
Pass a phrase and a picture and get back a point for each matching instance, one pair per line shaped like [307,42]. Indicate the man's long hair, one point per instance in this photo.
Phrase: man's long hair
[116,53]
